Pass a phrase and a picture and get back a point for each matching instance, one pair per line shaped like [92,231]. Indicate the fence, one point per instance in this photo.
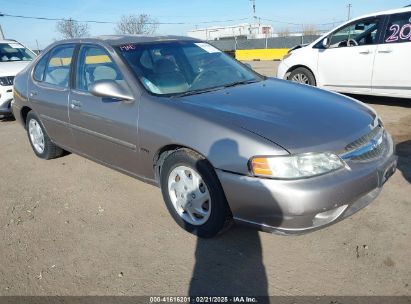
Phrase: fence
[261,49]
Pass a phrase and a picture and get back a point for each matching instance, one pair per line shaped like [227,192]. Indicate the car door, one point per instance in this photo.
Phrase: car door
[104,129]
[346,65]
[49,90]
[392,61]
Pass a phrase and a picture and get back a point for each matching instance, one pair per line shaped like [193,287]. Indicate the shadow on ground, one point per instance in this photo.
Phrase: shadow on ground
[404,159]
[230,264]
[7,118]
[386,101]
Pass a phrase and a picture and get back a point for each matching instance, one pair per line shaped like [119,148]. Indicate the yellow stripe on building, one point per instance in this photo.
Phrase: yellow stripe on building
[97,59]
[89,60]
[260,54]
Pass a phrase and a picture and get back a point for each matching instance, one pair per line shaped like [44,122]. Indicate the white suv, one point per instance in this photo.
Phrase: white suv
[13,58]
[370,55]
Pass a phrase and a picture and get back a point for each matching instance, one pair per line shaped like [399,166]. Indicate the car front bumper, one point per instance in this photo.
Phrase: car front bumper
[300,206]
[282,70]
[6,96]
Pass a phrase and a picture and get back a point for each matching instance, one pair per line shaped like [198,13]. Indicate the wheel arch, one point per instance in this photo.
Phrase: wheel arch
[23,114]
[293,68]
[163,152]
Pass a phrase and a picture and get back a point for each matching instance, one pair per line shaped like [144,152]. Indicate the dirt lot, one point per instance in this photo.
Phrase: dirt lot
[72,227]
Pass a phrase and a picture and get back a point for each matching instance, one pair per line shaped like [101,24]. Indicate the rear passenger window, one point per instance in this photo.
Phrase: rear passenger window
[95,64]
[39,69]
[58,67]
[399,28]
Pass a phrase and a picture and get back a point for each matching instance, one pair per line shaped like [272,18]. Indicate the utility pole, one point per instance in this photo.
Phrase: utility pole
[349,11]
[1,29]
[254,10]
[1,33]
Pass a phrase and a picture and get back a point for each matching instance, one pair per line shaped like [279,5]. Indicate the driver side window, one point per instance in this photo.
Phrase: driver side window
[363,32]
[95,64]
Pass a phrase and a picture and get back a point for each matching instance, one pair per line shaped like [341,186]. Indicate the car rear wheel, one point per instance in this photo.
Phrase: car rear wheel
[302,75]
[40,142]
[193,194]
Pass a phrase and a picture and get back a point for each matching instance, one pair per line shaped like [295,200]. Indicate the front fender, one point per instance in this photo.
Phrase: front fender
[166,122]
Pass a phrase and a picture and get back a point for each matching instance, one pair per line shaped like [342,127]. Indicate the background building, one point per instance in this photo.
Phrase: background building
[246,30]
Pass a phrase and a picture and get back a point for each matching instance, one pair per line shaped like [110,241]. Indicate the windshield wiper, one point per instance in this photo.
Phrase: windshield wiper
[196,92]
[240,83]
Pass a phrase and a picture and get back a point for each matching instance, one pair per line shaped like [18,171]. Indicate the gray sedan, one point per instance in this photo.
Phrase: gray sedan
[224,143]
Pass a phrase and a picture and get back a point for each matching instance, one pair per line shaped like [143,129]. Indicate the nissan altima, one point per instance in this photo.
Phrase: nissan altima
[223,143]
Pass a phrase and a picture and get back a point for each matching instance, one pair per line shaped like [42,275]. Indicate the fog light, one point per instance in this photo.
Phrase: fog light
[326,217]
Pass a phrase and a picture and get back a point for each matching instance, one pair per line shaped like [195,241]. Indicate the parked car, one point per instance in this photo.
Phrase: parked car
[368,55]
[221,141]
[13,58]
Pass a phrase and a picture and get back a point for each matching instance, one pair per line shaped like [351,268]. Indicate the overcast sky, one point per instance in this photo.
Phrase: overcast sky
[191,12]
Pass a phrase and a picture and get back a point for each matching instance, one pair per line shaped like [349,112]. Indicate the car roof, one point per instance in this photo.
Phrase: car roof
[127,39]
[9,41]
[382,13]
[387,12]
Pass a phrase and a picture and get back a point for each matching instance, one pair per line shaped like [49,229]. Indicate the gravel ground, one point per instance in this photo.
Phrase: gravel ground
[72,227]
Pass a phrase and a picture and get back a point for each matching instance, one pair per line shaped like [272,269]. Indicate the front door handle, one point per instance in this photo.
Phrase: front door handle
[387,51]
[75,104]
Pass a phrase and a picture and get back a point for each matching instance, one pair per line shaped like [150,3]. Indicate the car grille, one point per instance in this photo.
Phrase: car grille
[363,140]
[6,80]
[372,154]
[368,147]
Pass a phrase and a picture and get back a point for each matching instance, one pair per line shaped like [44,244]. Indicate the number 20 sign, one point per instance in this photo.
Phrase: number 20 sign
[399,33]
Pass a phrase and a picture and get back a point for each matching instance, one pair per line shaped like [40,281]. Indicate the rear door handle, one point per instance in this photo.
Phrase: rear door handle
[365,52]
[33,93]
[385,51]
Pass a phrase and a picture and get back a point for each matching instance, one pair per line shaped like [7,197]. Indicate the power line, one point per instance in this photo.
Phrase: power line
[298,24]
[112,22]
[161,23]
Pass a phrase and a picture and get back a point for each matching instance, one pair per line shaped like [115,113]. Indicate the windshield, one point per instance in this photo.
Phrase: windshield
[184,67]
[14,51]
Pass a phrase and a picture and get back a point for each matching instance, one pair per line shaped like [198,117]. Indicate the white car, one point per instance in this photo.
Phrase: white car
[14,57]
[370,55]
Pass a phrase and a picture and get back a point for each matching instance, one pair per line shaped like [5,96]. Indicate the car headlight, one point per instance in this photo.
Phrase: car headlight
[6,81]
[295,166]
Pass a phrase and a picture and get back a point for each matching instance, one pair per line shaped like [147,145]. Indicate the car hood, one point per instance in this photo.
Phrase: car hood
[299,46]
[11,68]
[297,117]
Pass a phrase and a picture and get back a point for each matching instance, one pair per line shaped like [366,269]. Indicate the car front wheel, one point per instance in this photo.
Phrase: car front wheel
[302,75]
[193,194]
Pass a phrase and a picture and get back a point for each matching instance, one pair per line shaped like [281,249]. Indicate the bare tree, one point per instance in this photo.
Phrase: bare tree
[285,32]
[310,30]
[137,24]
[70,28]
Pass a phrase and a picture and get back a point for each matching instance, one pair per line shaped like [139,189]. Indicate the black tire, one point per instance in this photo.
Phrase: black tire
[50,149]
[220,216]
[305,72]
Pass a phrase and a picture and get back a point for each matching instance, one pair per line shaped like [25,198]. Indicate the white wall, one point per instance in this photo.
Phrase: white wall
[216,32]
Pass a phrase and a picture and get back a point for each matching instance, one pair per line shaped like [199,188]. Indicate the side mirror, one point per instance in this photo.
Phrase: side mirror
[110,89]
[359,27]
[326,42]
